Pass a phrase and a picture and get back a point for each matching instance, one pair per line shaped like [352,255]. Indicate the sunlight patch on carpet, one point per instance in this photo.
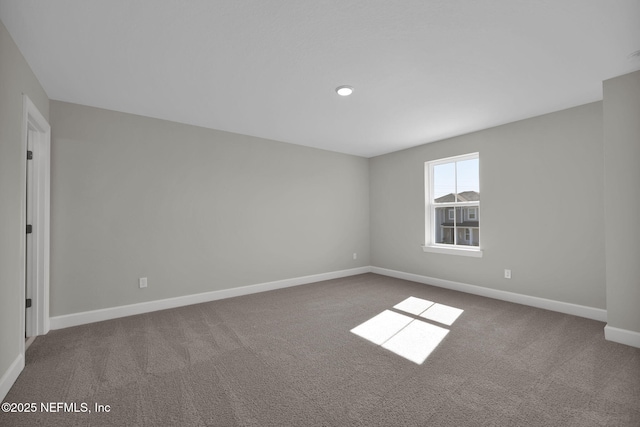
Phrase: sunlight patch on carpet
[380,328]
[416,341]
[413,305]
[442,314]
[409,337]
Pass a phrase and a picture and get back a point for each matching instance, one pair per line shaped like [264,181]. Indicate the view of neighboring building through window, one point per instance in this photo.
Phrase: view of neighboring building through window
[453,201]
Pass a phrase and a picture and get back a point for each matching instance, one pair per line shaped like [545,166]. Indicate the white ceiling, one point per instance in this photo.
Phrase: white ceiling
[422,70]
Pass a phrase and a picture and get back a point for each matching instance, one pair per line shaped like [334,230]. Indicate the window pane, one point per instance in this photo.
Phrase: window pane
[467,226]
[468,180]
[475,237]
[444,183]
[443,227]
[462,237]
[468,234]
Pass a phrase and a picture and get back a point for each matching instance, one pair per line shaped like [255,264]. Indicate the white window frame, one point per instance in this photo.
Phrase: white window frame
[430,244]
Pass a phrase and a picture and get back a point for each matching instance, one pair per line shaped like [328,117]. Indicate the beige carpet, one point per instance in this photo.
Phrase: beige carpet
[288,358]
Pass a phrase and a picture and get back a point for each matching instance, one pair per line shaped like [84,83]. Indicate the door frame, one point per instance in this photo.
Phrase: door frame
[34,122]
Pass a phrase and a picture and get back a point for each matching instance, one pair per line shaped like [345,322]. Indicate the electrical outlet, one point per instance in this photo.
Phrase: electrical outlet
[507,274]
[142,282]
[355,255]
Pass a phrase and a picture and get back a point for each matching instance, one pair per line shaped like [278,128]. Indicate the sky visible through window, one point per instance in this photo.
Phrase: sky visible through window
[444,177]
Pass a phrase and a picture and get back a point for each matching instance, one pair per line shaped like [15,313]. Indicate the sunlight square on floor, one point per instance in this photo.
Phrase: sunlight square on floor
[416,341]
[413,305]
[410,337]
[380,328]
[442,314]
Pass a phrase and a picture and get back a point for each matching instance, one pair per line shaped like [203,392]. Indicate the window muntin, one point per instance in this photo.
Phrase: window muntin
[453,202]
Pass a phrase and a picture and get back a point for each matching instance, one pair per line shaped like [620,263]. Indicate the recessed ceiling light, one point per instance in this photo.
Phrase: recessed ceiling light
[344,90]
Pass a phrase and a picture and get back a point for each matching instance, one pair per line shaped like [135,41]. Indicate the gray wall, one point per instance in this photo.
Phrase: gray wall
[622,199]
[192,209]
[16,78]
[541,185]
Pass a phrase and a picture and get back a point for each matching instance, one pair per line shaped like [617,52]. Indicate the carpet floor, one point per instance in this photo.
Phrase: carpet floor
[288,358]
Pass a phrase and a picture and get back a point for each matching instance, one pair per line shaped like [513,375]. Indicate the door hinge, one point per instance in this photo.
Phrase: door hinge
[29,155]
[28,302]
[29,229]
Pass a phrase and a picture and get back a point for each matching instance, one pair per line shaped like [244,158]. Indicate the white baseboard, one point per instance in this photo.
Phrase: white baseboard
[75,319]
[547,304]
[622,336]
[10,376]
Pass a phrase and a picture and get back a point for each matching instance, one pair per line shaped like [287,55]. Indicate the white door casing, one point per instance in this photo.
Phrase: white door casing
[37,139]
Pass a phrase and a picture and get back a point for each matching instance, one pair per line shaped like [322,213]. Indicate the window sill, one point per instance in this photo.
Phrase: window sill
[476,253]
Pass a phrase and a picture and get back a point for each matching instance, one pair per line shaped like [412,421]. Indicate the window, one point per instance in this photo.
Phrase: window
[473,214]
[452,205]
